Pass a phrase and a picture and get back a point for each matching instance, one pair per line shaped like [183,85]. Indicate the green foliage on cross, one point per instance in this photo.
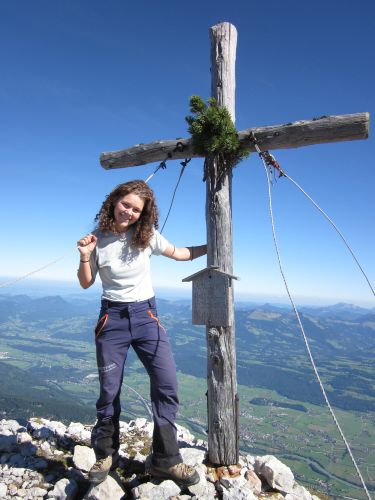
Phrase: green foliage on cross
[213,132]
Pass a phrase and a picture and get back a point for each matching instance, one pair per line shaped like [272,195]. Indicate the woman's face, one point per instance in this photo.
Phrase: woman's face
[127,211]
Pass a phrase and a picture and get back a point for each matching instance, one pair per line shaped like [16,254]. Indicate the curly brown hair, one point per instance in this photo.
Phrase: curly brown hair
[148,220]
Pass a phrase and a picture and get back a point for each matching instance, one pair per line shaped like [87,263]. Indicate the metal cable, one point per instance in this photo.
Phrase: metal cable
[335,227]
[163,166]
[141,398]
[304,335]
[20,278]
[183,163]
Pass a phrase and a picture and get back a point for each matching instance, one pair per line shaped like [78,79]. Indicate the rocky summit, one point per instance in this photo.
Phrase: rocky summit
[44,459]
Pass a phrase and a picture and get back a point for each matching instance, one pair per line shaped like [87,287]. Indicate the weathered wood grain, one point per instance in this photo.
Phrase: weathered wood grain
[221,352]
[211,304]
[287,136]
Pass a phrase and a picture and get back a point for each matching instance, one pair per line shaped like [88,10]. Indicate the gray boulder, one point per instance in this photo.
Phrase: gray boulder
[203,489]
[64,489]
[298,493]
[278,475]
[254,482]
[77,432]
[192,456]
[151,491]
[3,490]
[236,493]
[83,457]
[108,489]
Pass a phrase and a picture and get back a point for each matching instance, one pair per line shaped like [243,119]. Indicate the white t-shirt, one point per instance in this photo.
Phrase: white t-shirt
[123,269]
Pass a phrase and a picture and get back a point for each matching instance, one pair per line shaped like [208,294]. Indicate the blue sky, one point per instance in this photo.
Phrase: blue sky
[82,77]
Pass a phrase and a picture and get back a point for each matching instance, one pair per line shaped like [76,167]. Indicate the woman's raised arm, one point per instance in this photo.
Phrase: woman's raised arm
[85,247]
[184,253]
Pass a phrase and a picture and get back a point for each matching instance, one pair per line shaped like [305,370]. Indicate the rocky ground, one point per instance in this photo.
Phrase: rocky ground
[43,459]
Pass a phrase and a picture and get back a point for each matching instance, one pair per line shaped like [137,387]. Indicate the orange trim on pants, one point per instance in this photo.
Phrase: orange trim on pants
[150,313]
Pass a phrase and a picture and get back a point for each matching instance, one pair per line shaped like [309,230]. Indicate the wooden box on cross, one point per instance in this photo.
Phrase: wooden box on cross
[212,290]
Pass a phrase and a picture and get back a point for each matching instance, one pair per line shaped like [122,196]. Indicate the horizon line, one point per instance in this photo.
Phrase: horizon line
[175,293]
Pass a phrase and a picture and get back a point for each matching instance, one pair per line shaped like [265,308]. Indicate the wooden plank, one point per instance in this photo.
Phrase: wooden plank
[221,351]
[211,300]
[290,135]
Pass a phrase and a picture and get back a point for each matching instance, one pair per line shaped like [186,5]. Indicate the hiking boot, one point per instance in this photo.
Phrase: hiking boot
[115,460]
[182,474]
[99,471]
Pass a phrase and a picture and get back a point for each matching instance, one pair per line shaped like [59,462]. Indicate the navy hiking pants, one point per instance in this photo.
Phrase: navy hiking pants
[136,324]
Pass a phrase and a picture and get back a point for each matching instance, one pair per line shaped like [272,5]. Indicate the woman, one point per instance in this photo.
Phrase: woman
[119,250]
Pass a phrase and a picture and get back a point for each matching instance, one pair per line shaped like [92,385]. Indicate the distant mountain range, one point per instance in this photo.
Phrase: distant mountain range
[71,304]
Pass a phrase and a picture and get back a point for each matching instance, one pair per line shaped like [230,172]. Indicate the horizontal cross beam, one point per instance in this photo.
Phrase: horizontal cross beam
[290,135]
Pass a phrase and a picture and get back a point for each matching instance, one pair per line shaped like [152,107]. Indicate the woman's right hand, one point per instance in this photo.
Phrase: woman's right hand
[86,245]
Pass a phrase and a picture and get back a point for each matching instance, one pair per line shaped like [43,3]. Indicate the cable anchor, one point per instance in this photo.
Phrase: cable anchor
[269,159]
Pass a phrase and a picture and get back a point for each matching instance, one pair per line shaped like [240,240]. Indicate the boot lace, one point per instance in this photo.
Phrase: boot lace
[183,470]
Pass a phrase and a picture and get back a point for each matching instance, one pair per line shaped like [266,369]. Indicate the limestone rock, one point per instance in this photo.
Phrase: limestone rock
[151,491]
[46,448]
[203,489]
[238,493]
[39,428]
[278,475]
[298,493]
[232,482]
[83,457]
[37,492]
[23,437]
[78,433]
[143,491]
[3,490]
[192,456]
[64,489]
[108,489]
[24,472]
[12,425]
[254,482]
[184,434]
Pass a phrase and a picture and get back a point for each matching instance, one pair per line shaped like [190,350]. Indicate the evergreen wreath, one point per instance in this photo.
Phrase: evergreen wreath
[213,132]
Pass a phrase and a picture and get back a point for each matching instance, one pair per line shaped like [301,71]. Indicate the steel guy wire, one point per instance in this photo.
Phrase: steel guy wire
[304,335]
[336,229]
[24,276]
[183,163]
[265,155]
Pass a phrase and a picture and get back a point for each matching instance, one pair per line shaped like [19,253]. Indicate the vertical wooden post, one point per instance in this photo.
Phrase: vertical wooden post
[221,356]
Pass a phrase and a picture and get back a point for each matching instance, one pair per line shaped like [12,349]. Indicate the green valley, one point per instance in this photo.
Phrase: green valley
[47,367]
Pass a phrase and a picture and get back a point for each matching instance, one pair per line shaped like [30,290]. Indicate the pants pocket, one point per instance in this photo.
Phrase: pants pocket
[155,318]
[101,324]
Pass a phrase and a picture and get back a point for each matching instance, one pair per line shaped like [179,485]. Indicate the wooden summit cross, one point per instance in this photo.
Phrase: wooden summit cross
[213,303]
